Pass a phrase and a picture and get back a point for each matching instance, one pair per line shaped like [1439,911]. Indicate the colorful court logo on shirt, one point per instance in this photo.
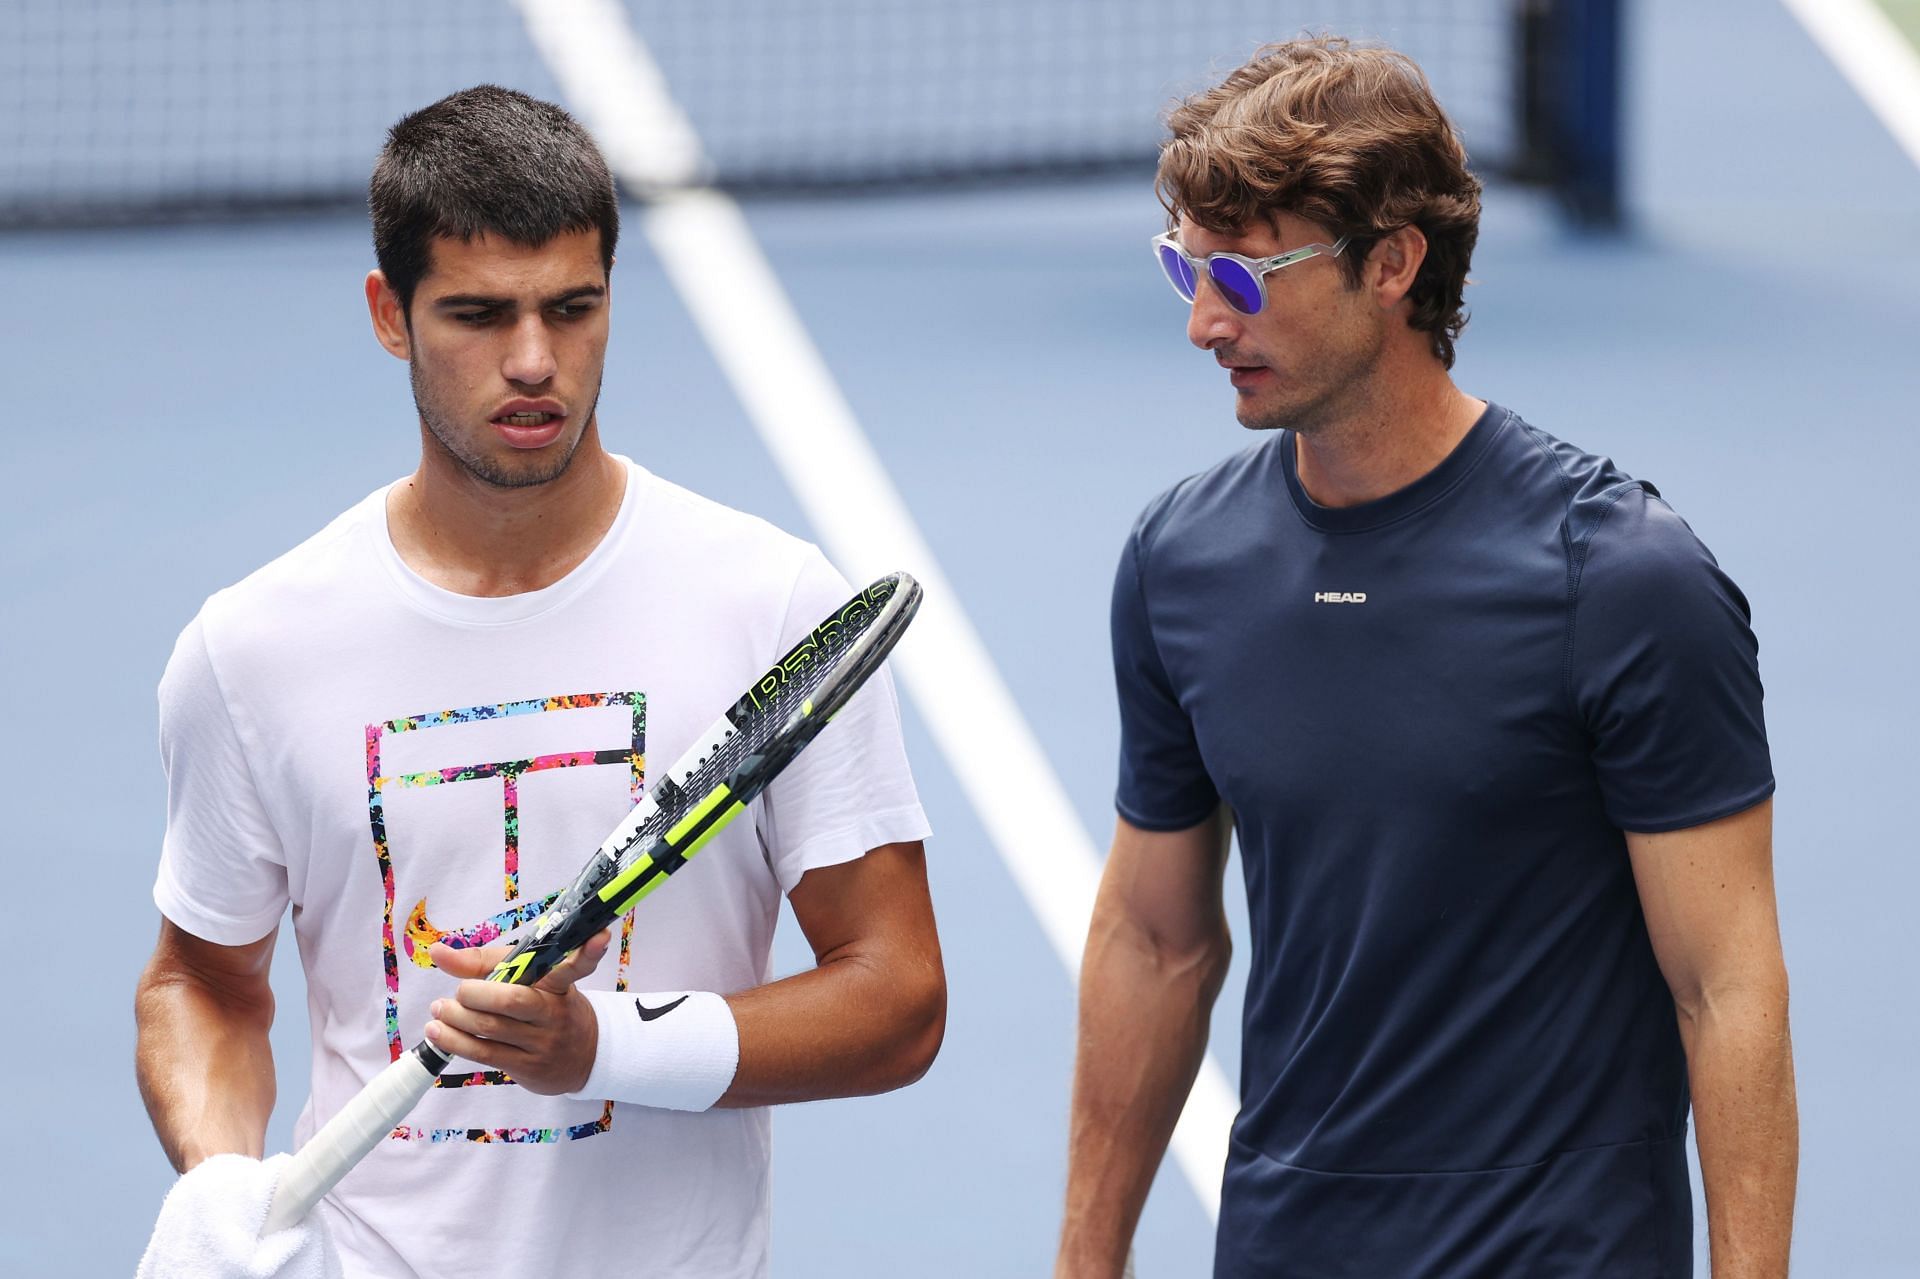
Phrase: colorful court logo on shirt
[420,930]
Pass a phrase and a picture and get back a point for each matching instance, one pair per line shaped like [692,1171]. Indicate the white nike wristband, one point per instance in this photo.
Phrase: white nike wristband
[677,1050]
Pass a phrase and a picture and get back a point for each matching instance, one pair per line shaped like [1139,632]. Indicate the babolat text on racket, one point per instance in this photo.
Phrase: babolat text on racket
[705,789]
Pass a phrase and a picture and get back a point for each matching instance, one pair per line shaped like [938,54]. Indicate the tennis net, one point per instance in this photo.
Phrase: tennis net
[117,110]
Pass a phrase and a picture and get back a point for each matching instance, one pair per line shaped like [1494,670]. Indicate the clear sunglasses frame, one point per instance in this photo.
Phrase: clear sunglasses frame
[1257,269]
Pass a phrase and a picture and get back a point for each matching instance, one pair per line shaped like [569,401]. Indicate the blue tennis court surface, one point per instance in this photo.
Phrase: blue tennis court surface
[191,401]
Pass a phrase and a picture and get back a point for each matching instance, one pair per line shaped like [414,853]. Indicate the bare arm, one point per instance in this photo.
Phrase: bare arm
[203,1060]
[1709,901]
[871,1015]
[868,1018]
[1157,953]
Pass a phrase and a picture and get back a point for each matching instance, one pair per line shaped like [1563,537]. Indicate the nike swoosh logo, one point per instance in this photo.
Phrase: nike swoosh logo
[421,933]
[648,1014]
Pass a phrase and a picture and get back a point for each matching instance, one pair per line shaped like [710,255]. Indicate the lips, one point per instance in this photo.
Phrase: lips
[1243,373]
[529,424]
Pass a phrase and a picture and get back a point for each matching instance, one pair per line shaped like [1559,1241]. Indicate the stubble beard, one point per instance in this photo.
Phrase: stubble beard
[539,470]
[1343,379]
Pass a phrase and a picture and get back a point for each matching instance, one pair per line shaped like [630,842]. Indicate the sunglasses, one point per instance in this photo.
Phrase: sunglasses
[1242,281]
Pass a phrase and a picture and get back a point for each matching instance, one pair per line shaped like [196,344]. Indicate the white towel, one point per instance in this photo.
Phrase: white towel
[209,1228]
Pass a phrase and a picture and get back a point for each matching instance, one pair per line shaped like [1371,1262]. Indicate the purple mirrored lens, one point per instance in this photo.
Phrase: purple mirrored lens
[1177,271]
[1238,285]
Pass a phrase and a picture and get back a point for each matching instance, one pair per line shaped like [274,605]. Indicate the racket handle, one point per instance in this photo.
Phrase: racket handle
[345,1140]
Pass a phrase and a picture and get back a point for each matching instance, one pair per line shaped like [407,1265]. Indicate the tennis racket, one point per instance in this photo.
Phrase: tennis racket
[704,790]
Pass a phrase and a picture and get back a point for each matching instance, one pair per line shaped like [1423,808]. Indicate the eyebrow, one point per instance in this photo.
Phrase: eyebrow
[453,300]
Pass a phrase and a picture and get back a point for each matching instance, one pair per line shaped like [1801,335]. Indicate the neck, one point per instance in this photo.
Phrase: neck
[473,538]
[1401,429]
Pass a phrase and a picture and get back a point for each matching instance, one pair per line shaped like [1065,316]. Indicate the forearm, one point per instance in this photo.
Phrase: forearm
[1143,1032]
[1746,1120]
[205,1069]
[857,1024]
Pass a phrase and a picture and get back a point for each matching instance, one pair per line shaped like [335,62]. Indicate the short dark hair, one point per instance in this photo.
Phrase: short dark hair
[485,160]
[1350,138]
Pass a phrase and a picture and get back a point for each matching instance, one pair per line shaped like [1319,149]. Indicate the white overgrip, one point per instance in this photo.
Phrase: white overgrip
[345,1140]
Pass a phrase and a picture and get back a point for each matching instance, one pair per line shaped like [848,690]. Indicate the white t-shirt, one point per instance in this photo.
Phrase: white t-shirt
[392,759]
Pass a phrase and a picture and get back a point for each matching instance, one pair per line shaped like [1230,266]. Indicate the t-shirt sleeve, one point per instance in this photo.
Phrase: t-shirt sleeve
[1665,672]
[851,790]
[1163,781]
[223,876]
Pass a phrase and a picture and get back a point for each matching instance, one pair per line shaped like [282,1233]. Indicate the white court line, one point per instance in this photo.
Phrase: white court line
[1875,56]
[710,255]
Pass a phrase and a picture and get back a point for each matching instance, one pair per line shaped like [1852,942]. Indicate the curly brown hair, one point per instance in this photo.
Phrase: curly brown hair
[1346,136]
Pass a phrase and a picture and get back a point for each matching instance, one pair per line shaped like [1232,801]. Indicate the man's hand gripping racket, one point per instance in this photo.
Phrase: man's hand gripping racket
[704,790]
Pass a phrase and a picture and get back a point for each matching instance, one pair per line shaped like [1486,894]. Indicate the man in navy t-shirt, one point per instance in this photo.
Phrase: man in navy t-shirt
[1486,718]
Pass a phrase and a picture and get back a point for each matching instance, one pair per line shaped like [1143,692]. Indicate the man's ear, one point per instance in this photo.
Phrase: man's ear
[389,319]
[1394,264]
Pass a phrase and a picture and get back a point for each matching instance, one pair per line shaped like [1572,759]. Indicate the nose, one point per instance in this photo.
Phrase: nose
[529,357]
[1211,322]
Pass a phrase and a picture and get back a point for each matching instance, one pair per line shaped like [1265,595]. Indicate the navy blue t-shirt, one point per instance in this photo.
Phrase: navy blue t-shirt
[1432,716]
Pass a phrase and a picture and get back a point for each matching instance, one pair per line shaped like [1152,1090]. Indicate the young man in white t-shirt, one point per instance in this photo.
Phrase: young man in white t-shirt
[414,728]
